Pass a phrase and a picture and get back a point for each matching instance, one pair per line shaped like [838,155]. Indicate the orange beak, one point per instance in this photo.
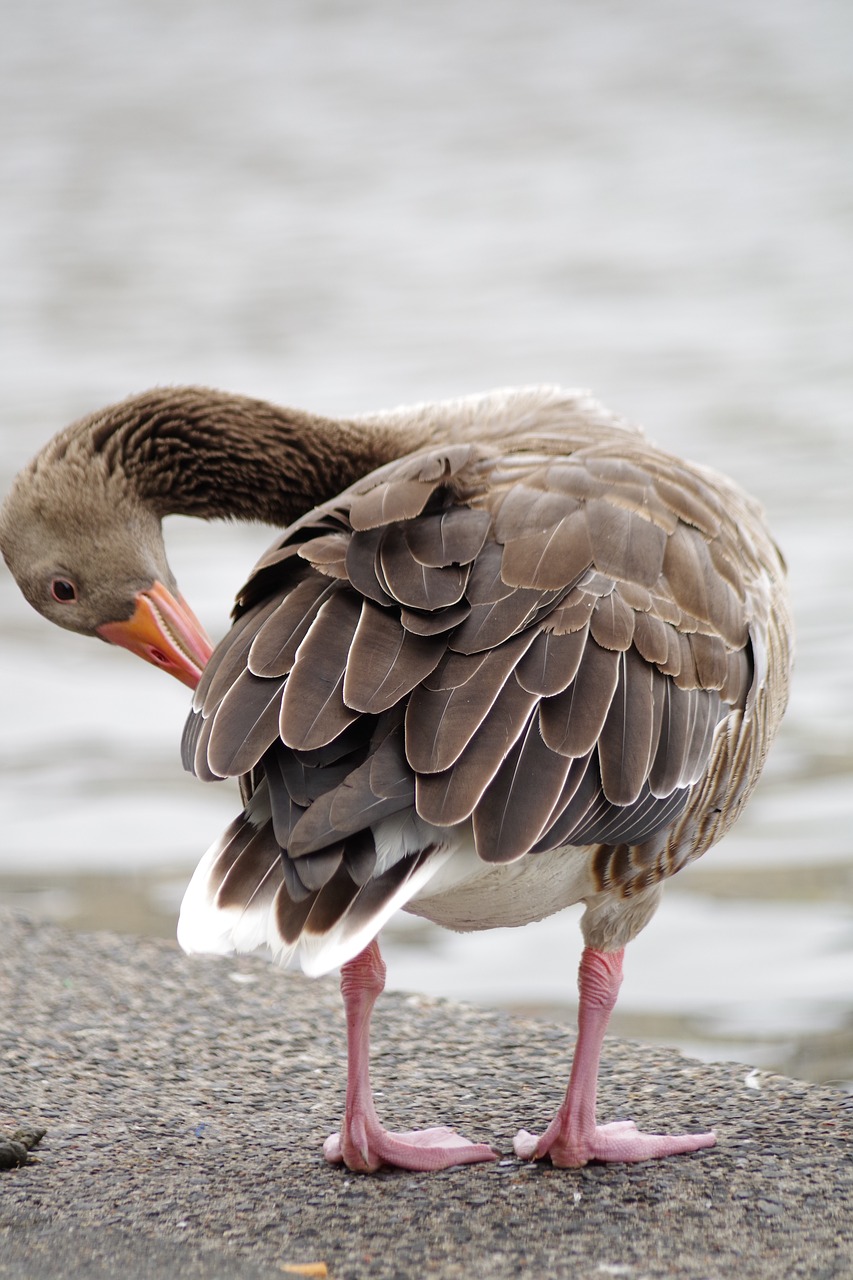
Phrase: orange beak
[164,631]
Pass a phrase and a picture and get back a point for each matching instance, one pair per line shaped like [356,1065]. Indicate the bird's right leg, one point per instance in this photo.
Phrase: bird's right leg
[363,1144]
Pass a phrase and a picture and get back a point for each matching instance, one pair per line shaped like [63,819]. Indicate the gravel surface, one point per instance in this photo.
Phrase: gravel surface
[186,1101]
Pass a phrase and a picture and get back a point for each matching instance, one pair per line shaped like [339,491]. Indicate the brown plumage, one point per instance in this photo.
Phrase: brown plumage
[506,656]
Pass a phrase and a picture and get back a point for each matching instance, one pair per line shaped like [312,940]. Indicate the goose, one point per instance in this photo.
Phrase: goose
[506,656]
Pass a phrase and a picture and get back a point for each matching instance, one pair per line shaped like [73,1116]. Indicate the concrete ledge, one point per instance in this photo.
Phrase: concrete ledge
[186,1102]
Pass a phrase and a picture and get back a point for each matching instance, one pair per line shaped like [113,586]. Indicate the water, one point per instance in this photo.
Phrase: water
[346,206]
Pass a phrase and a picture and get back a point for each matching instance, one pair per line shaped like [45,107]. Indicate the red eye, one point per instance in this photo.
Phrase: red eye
[63,590]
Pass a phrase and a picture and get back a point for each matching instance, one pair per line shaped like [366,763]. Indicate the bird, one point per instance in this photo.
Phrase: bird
[504,655]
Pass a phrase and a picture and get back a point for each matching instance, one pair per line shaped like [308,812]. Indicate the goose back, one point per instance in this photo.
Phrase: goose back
[557,643]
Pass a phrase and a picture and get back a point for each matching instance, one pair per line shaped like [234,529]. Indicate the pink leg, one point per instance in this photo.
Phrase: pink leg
[573,1137]
[363,1145]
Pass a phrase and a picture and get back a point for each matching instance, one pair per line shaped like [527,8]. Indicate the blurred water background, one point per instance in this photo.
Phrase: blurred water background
[348,205]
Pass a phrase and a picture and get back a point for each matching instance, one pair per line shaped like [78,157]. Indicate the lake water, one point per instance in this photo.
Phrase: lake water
[347,206]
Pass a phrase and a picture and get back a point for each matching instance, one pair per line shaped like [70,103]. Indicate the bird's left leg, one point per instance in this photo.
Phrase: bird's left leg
[363,1144]
[573,1137]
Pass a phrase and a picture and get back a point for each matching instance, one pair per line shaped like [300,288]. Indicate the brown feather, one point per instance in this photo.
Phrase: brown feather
[625,544]
[291,912]
[285,809]
[331,903]
[711,660]
[572,721]
[636,597]
[490,625]
[612,622]
[526,507]
[650,637]
[228,659]
[278,569]
[379,787]
[625,742]
[390,774]
[229,848]
[550,560]
[739,677]
[351,906]
[630,824]
[573,613]
[449,707]
[624,479]
[360,857]
[699,589]
[498,610]
[273,650]
[450,796]
[317,869]
[679,492]
[705,723]
[583,773]
[551,663]
[254,870]
[362,563]
[581,794]
[414,584]
[574,478]
[517,805]
[245,724]
[327,553]
[454,536]
[394,500]
[683,736]
[385,661]
[312,709]
[200,766]
[437,623]
[189,739]
[379,501]
[306,781]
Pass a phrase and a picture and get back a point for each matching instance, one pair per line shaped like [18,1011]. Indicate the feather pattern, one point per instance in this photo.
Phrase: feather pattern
[313,711]
[385,662]
[536,639]
[449,706]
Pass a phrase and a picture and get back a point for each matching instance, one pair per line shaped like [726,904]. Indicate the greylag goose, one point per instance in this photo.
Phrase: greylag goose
[506,656]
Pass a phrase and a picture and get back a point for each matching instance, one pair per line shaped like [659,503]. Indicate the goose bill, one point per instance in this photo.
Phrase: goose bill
[164,631]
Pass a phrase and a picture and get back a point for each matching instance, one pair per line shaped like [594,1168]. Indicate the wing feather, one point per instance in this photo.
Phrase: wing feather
[438,622]
[551,663]
[624,543]
[313,711]
[612,622]
[379,787]
[572,721]
[449,707]
[385,661]
[416,585]
[450,796]
[273,650]
[244,725]
[625,742]
[552,559]
[517,804]
[229,657]
[698,587]
[454,536]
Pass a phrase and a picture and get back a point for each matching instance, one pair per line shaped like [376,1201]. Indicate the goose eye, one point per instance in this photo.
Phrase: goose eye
[63,590]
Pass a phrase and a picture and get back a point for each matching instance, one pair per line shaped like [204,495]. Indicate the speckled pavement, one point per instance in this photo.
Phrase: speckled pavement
[186,1101]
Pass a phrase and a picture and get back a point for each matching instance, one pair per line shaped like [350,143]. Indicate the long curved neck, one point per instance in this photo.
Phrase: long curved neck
[192,451]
